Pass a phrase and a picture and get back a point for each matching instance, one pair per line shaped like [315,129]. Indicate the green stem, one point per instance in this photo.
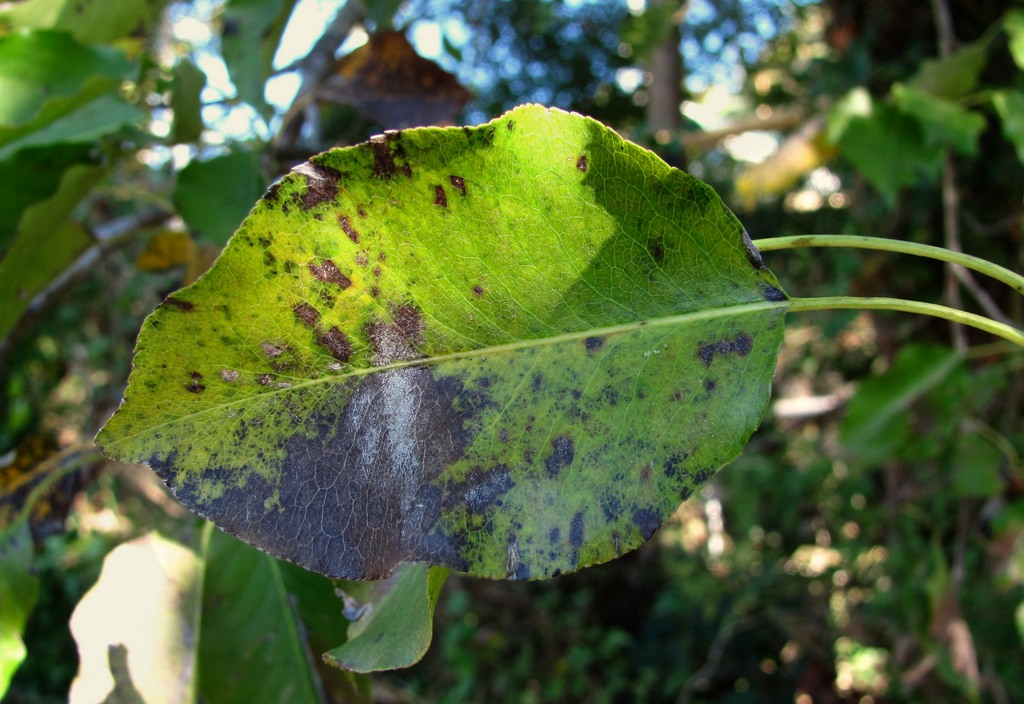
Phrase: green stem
[958,316]
[1010,278]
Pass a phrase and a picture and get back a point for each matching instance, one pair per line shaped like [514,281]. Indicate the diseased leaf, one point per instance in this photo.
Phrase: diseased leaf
[448,346]
[395,86]
[251,624]
[394,630]
[136,627]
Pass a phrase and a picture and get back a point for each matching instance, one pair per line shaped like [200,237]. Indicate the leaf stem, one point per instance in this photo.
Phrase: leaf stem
[936,311]
[1010,278]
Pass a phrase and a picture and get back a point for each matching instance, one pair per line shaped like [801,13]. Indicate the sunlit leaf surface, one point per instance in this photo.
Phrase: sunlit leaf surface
[511,350]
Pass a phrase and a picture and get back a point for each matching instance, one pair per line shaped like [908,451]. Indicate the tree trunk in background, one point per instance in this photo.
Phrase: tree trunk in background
[665,92]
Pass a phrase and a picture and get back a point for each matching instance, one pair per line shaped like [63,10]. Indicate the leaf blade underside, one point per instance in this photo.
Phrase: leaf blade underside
[510,350]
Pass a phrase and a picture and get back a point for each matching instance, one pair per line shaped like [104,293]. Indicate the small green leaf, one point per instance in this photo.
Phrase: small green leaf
[1009,105]
[976,467]
[136,627]
[89,21]
[889,149]
[1014,24]
[45,75]
[875,423]
[251,624]
[396,626]
[18,591]
[188,119]
[47,242]
[250,33]
[511,350]
[956,75]
[214,196]
[103,116]
[943,122]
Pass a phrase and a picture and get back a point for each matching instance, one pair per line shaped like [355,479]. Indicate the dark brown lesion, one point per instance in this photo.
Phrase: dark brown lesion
[309,315]
[440,199]
[741,344]
[348,229]
[336,342]
[582,164]
[195,384]
[459,184]
[328,272]
[184,306]
[321,184]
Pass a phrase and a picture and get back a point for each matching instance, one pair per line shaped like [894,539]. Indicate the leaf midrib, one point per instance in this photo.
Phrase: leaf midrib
[683,318]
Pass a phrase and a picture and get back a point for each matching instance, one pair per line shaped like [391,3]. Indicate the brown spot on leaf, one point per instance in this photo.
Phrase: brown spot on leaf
[593,344]
[328,272]
[179,304]
[741,344]
[346,226]
[229,375]
[581,163]
[336,343]
[440,199]
[264,379]
[362,259]
[321,184]
[459,184]
[384,165]
[309,315]
[753,254]
[563,452]
[478,290]
[272,349]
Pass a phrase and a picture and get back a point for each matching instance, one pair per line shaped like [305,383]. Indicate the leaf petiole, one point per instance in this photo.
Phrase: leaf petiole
[936,311]
[1010,278]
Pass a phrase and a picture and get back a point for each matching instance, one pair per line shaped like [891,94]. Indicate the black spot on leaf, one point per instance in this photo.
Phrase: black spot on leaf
[397,341]
[576,530]
[646,521]
[554,535]
[479,491]
[562,454]
[195,385]
[459,184]
[657,250]
[181,305]
[773,294]
[741,344]
[328,272]
[753,254]
[594,343]
[440,199]
[384,166]
[581,163]
[478,290]
[709,385]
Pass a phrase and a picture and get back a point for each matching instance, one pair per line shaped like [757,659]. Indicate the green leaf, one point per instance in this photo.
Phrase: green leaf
[250,625]
[956,75]
[943,122]
[30,176]
[1014,24]
[510,350]
[875,423]
[976,467]
[89,21]
[251,31]
[1009,105]
[46,243]
[889,150]
[136,627]
[18,591]
[396,627]
[103,116]
[45,75]
[188,119]
[214,196]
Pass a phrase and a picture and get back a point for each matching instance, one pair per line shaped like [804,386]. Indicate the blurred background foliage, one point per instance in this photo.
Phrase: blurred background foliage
[867,546]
